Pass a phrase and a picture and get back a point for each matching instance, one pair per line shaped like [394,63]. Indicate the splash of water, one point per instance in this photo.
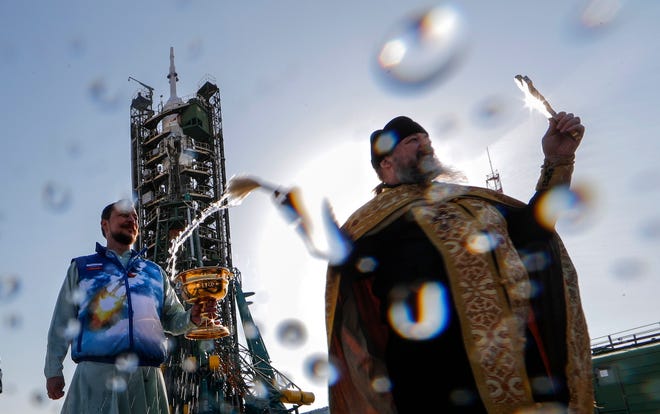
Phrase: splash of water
[291,204]
[238,188]
[181,237]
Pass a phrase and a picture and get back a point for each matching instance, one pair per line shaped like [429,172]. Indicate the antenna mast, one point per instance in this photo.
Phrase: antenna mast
[493,179]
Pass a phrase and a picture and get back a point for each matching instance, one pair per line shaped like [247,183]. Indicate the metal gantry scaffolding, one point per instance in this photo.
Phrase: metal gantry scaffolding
[493,181]
[178,172]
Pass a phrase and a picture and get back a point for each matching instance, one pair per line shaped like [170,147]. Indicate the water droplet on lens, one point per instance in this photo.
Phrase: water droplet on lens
[116,383]
[259,389]
[600,12]
[72,329]
[56,197]
[195,48]
[98,91]
[366,264]
[38,398]
[491,111]
[292,333]
[189,364]
[431,311]
[572,205]
[381,384]
[423,49]
[250,330]
[9,287]
[319,370]
[127,363]
[628,268]
[13,321]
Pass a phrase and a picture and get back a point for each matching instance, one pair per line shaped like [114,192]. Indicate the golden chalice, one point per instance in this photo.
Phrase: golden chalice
[205,284]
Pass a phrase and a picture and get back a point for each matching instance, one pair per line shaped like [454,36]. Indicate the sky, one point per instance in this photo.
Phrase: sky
[303,84]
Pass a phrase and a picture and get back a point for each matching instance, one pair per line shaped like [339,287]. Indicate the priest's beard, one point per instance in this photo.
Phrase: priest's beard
[421,170]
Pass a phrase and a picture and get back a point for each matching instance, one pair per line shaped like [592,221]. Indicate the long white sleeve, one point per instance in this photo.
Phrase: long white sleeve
[64,315]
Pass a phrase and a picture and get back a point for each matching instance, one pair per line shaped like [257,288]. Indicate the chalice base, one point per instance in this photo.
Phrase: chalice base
[207,332]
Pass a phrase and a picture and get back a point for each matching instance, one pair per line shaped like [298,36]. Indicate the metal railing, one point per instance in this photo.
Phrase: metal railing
[642,335]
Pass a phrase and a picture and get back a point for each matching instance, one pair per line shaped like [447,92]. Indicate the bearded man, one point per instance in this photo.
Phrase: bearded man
[456,298]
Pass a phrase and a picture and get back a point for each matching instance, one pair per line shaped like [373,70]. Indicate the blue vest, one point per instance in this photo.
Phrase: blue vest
[119,309]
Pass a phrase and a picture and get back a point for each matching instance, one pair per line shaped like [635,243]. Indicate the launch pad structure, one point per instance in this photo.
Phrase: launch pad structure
[178,171]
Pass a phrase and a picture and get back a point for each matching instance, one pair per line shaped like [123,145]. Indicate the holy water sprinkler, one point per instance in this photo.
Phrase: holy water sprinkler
[240,186]
[534,99]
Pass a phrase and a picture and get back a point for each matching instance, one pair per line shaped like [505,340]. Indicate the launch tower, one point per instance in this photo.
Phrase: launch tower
[178,172]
